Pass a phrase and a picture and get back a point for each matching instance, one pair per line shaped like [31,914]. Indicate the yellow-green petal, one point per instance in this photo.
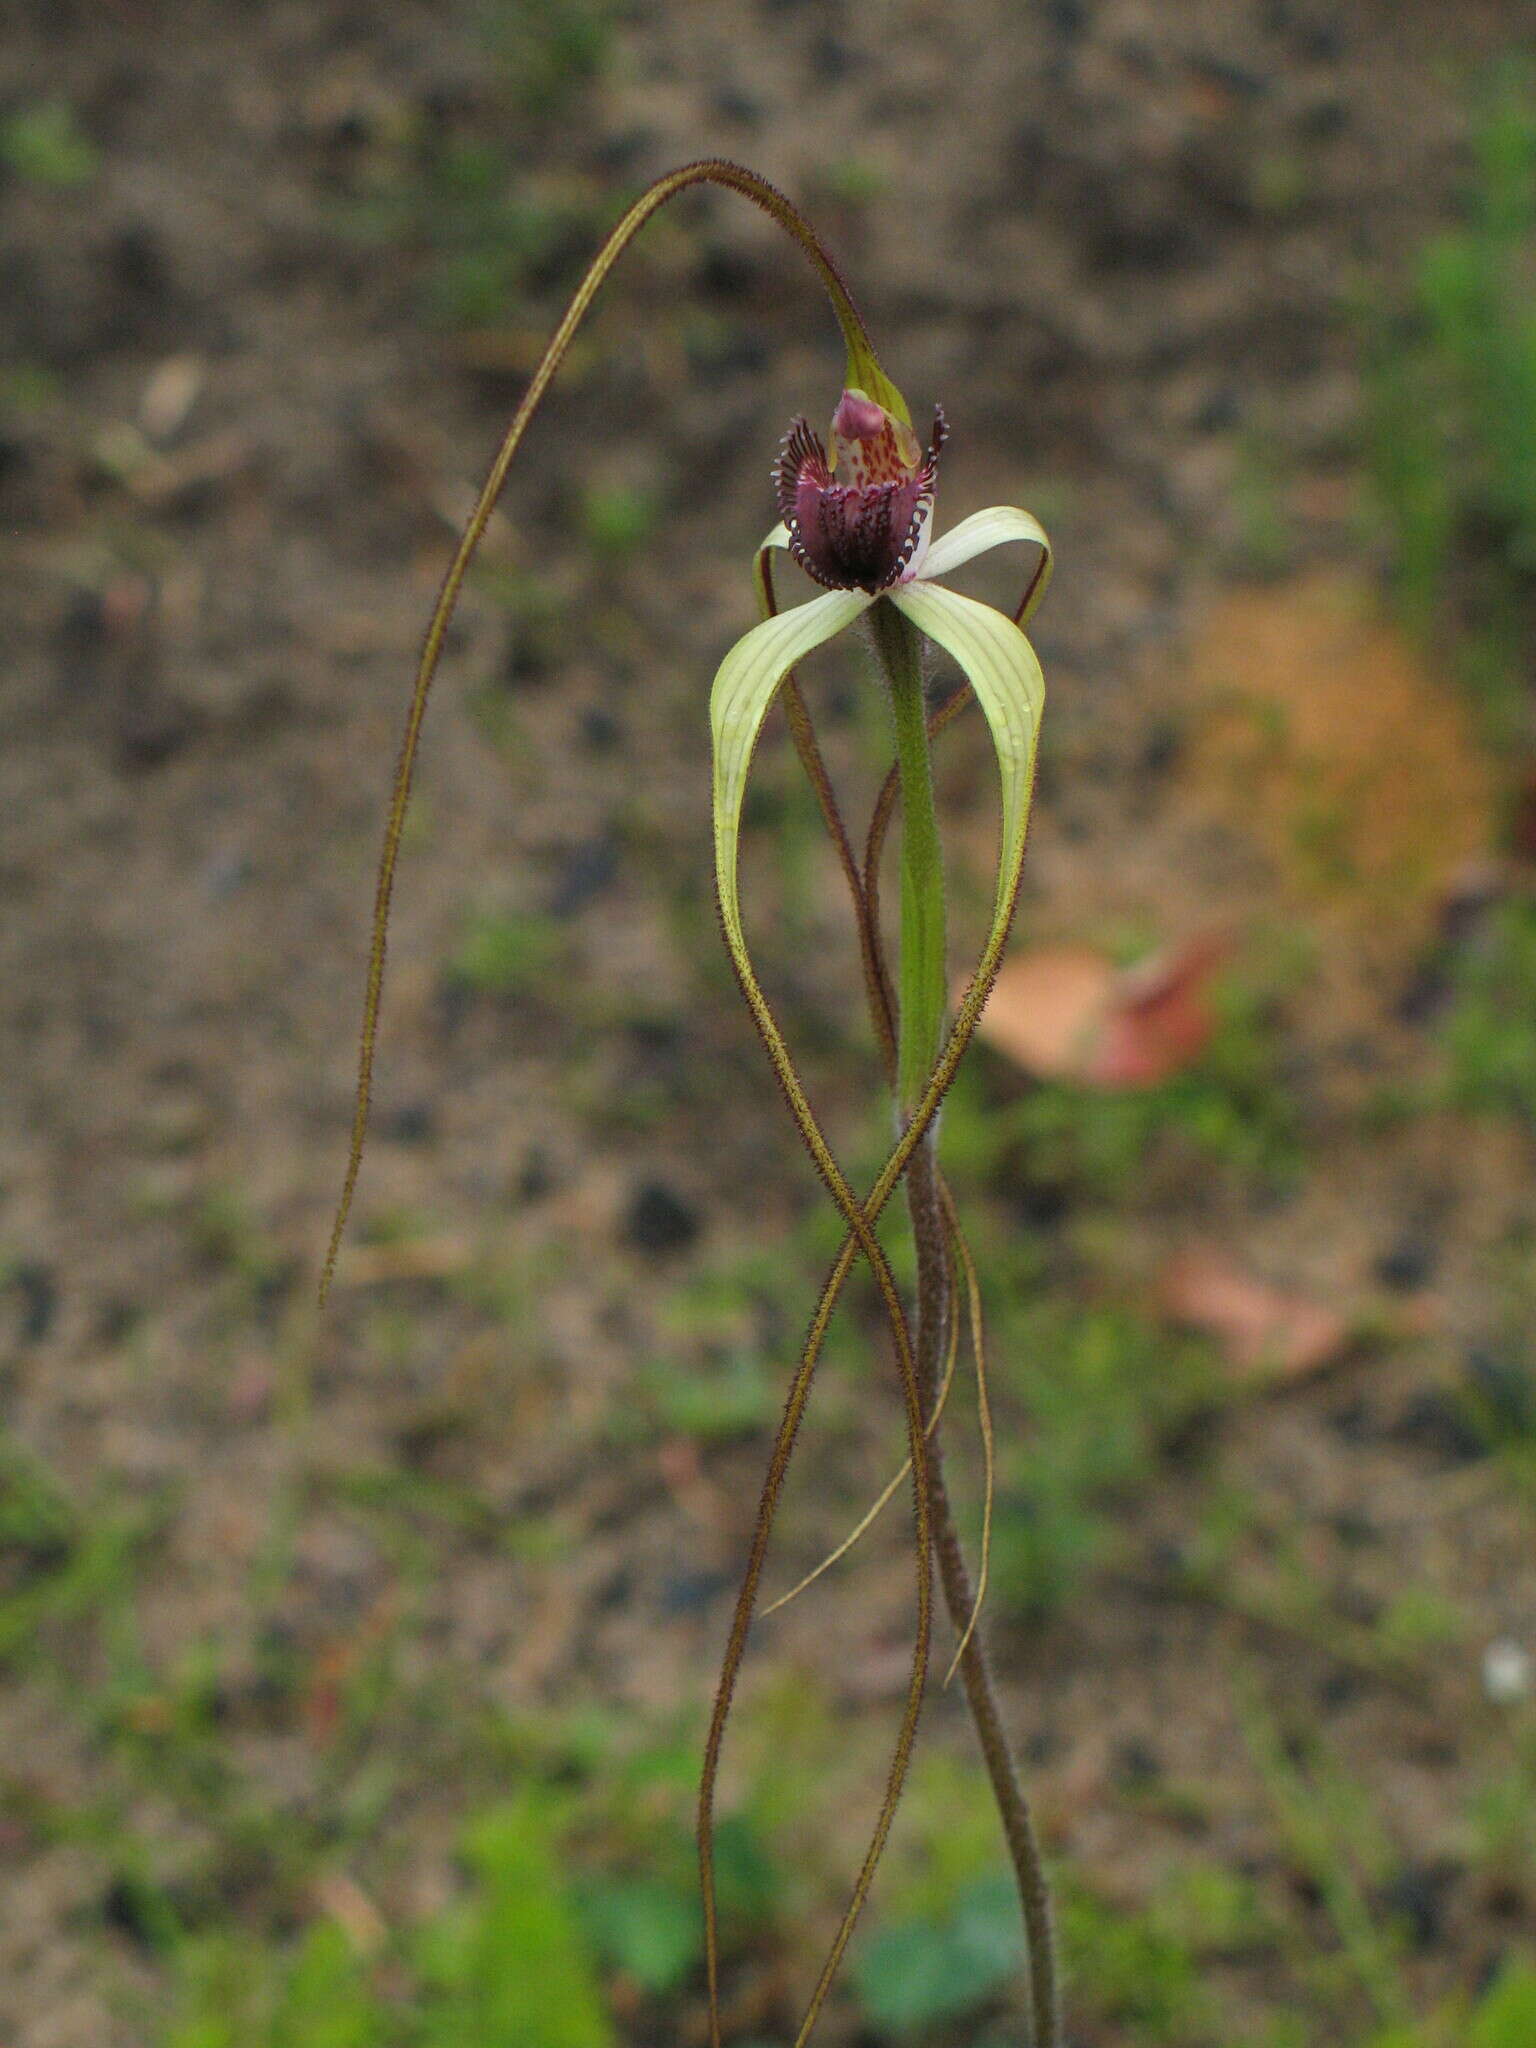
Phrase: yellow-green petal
[992,528]
[1002,668]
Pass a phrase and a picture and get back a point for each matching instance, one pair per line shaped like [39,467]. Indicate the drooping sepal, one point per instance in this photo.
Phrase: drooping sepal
[745,686]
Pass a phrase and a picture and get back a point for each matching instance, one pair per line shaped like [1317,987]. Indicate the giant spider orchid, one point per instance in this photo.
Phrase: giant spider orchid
[857,514]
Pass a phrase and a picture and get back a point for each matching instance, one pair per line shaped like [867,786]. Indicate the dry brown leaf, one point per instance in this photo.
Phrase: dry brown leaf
[1046,1007]
[1264,1332]
[1159,1018]
[1068,1013]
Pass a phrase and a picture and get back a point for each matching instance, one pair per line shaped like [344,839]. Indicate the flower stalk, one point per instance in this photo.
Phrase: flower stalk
[924,985]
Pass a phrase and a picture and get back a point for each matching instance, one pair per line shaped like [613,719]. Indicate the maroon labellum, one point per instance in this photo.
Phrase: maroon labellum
[869,531]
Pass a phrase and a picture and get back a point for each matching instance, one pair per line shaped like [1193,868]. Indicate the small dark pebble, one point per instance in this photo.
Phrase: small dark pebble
[1433,1422]
[127,1909]
[138,265]
[117,1319]
[1415,1897]
[37,1293]
[44,1551]
[1162,748]
[1323,120]
[81,631]
[15,457]
[1135,1765]
[411,1124]
[452,1002]
[1353,1422]
[264,1699]
[659,1220]
[1144,241]
[275,1287]
[1220,413]
[1187,1444]
[1311,37]
[616,1591]
[525,664]
[419,1441]
[1041,1747]
[1337,1690]
[585,872]
[1320,41]
[1354,1530]
[1463,922]
[1355,1604]
[601,732]
[693,1592]
[1037,1204]
[535,1178]
[1505,1900]
[1505,1387]
[151,732]
[727,273]
[620,152]
[733,104]
[1360,1053]
[1427,993]
[1407,1264]
[831,59]
[1236,79]
[658,1045]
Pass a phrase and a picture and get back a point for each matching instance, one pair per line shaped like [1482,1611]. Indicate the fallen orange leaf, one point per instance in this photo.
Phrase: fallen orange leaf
[1067,1013]
[1159,1018]
[1046,1006]
[1328,738]
[1264,1331]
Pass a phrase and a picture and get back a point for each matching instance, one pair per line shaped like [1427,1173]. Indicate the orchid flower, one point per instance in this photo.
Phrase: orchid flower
[857,515]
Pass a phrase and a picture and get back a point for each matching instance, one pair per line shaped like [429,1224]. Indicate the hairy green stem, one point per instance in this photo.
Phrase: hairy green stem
[923,995]
[921,986]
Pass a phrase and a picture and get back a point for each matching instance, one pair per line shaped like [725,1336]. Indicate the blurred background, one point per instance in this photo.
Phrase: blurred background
[355,1672]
